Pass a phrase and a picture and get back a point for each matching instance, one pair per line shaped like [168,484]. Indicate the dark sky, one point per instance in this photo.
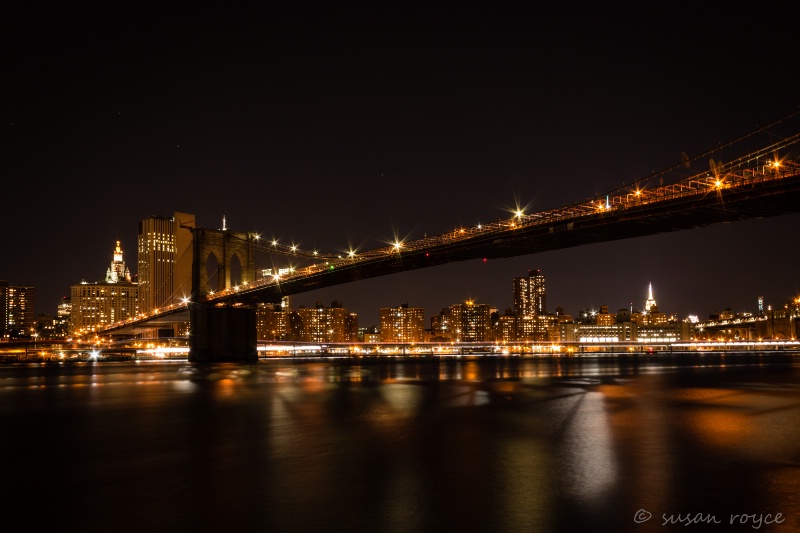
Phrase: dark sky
[331,124]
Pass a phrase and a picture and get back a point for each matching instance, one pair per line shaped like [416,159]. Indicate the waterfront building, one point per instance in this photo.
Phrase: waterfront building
[626,331]
[95,306]
[402,324]
[351,327]
[506,330]
[527,328]
[322,324]
[164,260]
[549,329]
[369,335]
[471,322]
[667,333]
[17,311]
[45,327]
[530,294]
[604,318]
[273,322]
[638,317]
[441,326]
[63,318]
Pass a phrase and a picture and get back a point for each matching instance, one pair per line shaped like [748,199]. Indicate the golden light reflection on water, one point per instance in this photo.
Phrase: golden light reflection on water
[509,447]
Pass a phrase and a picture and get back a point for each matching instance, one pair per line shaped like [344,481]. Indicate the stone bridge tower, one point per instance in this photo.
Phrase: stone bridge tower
[225,245]
[225,333]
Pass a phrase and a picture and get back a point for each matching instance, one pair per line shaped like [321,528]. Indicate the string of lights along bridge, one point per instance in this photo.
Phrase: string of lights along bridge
[763,182]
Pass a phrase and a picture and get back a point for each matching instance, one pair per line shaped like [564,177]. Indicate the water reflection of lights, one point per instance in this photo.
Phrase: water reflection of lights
[588,449]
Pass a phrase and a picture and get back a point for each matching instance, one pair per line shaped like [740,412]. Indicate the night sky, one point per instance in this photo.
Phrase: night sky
[337,124]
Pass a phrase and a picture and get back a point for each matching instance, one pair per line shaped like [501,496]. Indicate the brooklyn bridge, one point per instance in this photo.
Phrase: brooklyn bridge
[764,182]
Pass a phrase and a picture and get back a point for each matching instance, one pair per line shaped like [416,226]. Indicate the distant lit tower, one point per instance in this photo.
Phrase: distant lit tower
[650,304]
[118,271]
[760,306]
[529,294]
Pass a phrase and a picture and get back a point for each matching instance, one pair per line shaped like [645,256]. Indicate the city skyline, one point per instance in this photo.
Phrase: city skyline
[343,126]
[528,295]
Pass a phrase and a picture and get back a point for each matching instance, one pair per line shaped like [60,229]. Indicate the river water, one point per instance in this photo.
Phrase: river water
[483,445]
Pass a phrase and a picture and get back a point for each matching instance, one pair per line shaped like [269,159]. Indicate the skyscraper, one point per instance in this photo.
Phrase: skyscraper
[650,305]
[529,294]
[165,260]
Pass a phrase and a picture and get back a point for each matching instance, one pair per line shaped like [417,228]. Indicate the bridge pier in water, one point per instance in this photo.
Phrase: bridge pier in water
[222,334]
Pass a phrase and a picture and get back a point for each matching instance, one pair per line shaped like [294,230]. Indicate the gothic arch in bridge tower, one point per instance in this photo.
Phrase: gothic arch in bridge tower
[224,246]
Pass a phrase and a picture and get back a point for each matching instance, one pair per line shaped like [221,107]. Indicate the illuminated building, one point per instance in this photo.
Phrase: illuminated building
[651,316]
[96,306]
[664,333]
[62,318]
[17,311]
[529,294]
[369,335]
[506,329]
[165,260]
[274,322]
[402,324]
[323,324]
[651,302]
[604,318]
[441,326]
[45,327]
[351,327]
[471,322]
[118,272]
[626,331]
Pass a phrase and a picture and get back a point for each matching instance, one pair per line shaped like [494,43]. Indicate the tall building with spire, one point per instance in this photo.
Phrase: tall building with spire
[95,306]
[650,305]
[118,271]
